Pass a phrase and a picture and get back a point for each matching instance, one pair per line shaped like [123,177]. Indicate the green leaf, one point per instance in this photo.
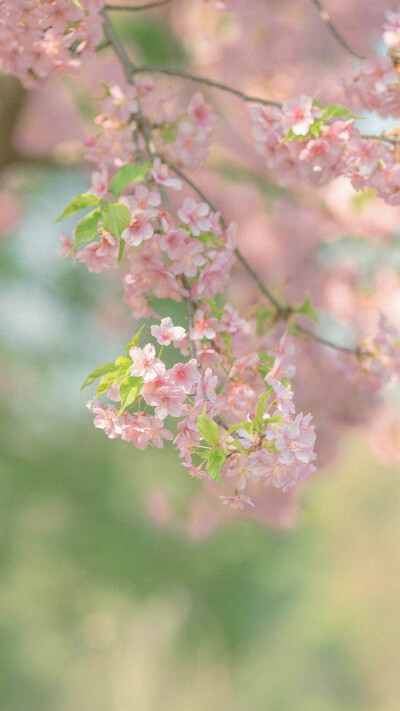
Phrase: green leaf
[129,389]
[259,422]
[208,238]
[135,340]
[168,134]
[103,369]
[121,248]
[116,218]
[107,381]
[215,462]
[262,314]
[291,136]
[245,425]
[78,4]
[337,110]
[227,340]
[316,127]
[216,311]
[308,310]
[79,202]
[127,174]
[87,228]
[208,429]
[123,363]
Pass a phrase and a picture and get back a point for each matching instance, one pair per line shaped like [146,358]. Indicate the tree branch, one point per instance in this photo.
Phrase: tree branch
[208,82]
[137,8]
[333,30]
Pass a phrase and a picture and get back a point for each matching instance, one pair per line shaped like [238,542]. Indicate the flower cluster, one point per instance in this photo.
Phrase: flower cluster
[379,358]
[301,142]
[41,38]
[271,444]
[375,87]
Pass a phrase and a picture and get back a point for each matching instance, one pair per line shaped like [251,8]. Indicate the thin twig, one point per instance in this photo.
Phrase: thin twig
[325,342]
[137,8]
[382,137]
[334,31]
[118,47]
[207,82]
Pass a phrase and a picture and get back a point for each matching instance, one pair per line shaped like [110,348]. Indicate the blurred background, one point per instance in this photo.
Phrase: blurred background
[112,597]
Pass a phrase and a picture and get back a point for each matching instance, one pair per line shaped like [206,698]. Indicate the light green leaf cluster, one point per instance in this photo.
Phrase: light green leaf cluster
[112,373]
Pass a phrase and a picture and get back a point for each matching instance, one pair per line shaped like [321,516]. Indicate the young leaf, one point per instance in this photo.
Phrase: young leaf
[262,314]
[247,426]
[123,363]
[216,311]
[103,369]
[337,110]
[135,340]
[227,340]
[129,389]
[208,429]
[87,228]
[308,310]
[79,202]
[215,462]
[116,218]
[291,136]
[78,4]
[127,174]
[209,238]
[169,134]
[107,381]
[121,249]
[259,422]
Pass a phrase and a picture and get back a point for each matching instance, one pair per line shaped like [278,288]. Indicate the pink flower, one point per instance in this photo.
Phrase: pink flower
[100,255]
[174,243]
[166,332]
[121,103]
[145,364]
[106,418]
[138,230]
[190,261]
[196,472]
[186,375]
[194,214]
[200,112]
[152,431]
[160,174]
[203,327]
[65,247]
[99,184]
[168,400]
[237,501]
[206,386]
[285,398]
[298,114]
